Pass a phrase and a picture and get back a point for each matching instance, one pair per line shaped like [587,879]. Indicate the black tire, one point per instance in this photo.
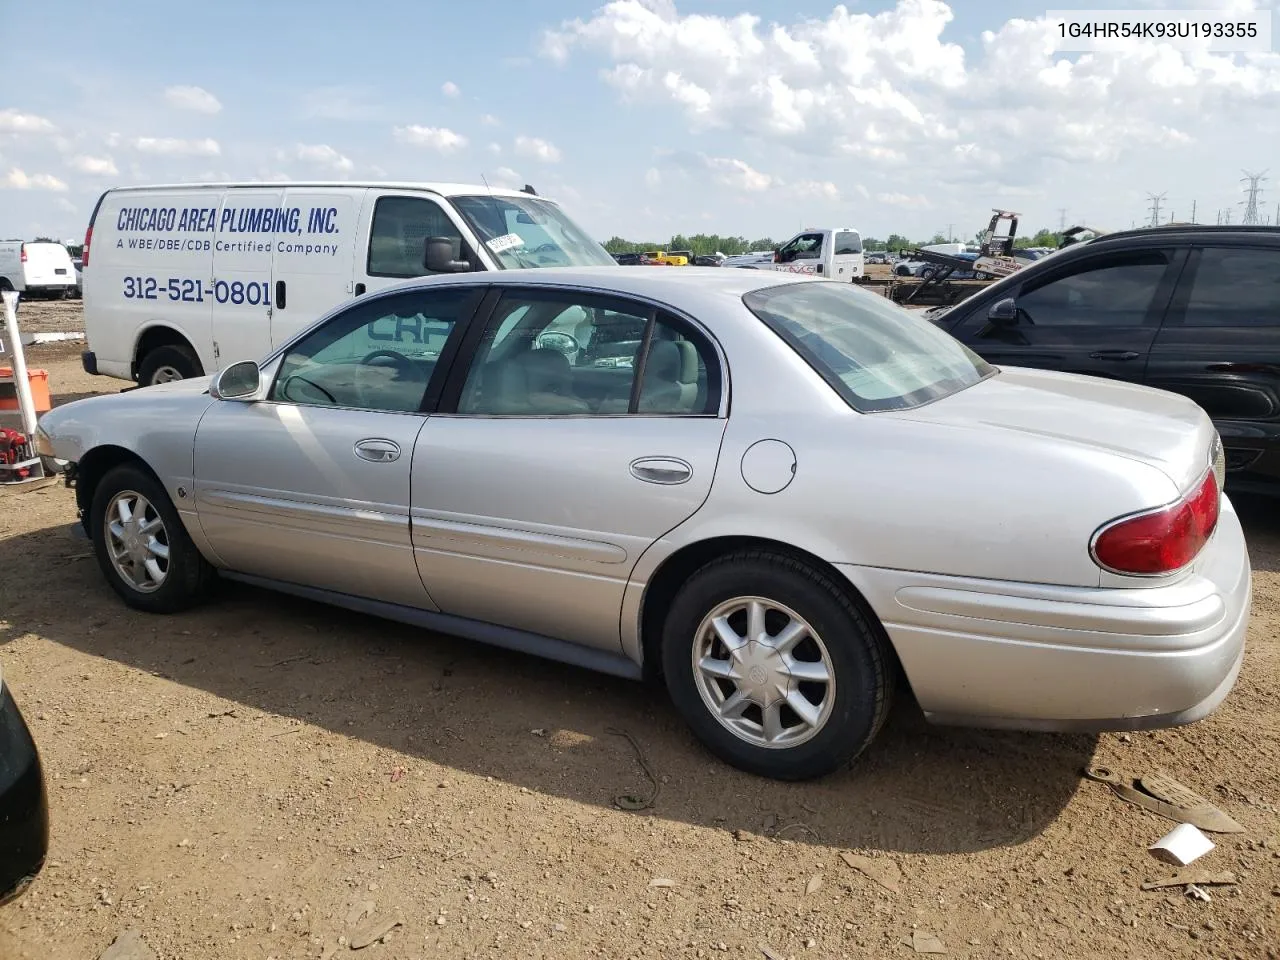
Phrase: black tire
[188,575]
[169,359]
[855,644]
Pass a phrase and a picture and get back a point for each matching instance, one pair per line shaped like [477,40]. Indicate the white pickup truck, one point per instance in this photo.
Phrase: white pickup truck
[834,252]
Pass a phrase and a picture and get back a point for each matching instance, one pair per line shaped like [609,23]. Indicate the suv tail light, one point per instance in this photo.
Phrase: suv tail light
[1160,541]
[84,254]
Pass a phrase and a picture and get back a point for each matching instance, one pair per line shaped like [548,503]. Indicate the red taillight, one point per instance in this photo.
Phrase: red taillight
[1164,540]
[22,255]
[84,254]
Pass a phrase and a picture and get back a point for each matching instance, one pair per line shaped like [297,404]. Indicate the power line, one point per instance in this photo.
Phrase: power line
[1155,207]
[1253,192]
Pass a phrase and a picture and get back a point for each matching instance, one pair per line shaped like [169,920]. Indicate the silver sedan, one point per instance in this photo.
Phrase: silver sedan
[776,493]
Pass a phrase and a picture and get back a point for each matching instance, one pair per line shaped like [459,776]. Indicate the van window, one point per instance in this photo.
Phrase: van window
[397,242]
[848,242]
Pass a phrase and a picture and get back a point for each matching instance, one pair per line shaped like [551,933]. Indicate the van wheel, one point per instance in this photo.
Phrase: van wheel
[142,547]
[774,666]
[165,364]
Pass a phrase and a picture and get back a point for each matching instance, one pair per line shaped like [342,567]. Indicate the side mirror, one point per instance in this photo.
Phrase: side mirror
[240,381]
[439,256]
[1004,312]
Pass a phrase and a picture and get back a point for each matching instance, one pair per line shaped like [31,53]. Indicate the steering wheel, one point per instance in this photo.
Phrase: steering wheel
[545,248]
[398,360]
[311,383]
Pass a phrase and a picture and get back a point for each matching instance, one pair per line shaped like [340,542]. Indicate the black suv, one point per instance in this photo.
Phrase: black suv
[1194,310]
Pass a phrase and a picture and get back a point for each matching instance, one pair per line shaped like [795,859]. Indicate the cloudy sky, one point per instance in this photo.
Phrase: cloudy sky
[644,117]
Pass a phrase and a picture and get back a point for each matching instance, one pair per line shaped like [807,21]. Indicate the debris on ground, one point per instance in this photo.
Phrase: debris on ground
[883,871]
[373,933]
[769,952]
[814,885]
[626,801]
[1201,878]
[1163,795]
[359,910]
[1182,845]
[128,946]
[1196,893]
[923,942]
[661,882]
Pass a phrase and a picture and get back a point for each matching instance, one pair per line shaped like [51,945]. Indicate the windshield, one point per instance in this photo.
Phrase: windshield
[529,232]
[876,355]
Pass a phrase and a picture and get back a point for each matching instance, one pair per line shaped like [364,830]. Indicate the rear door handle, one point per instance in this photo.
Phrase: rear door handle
[377,450]
[280,294]
[664,470]
[1114,355]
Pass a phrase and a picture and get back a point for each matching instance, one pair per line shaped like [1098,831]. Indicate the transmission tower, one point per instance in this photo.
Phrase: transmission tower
[1062,219]
[1253,192]
[1155,207]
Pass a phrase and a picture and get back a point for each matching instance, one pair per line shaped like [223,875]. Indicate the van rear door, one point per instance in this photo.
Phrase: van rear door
[48,265]
[249,223]
[394,227]
[313,269]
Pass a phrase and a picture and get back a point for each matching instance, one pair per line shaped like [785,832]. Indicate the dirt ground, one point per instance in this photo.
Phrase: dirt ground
[267,777]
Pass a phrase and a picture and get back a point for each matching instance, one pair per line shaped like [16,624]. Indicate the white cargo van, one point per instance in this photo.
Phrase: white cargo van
[834,252]
[36,268]
[183,280]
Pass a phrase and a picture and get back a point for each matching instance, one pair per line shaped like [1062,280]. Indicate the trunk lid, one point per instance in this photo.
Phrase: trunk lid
[1161,429]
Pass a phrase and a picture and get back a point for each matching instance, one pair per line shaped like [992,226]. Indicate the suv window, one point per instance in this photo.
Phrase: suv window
[552,354]
[378,355]
[397,241]
[1235,287]
[847,242]
[1115,291]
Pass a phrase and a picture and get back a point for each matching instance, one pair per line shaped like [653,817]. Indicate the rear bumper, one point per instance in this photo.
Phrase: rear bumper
[89,360]
[1036,657]
[56,289]
[24,805]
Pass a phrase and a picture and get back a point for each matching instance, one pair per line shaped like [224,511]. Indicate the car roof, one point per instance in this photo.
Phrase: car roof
[674,285]
[441,188]
[1187,232]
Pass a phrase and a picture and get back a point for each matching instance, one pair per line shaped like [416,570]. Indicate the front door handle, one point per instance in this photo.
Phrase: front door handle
[664,470]
[377,450]
[1114,355]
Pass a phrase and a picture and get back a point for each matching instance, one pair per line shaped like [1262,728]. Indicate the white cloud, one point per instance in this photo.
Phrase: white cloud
[488,120]
[11,121]
[173,147]
[96,166]
[652,178]
[319,155]
[817,189]
[889,88]
[449,88]
[196,99]
[739,175]
[911,200]
[16,179]
[506,177]
[537,149]
[440,139]
[495,148]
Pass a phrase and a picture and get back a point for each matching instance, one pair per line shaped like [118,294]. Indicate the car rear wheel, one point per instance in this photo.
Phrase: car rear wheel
[774,666]
[142,547]
[166,364]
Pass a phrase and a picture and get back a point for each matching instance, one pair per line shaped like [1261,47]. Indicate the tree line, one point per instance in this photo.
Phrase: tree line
[707,243]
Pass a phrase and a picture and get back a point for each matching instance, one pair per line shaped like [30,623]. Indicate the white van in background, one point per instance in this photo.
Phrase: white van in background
[832,252]
[183,280]
[36,268]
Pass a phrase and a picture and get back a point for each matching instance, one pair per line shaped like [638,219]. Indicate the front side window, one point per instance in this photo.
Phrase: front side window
[847,242]
[398,237]
[1114,292]
[1235,287]
[530,232]
[807,246]
[876,355]
[551,354]
[378,355]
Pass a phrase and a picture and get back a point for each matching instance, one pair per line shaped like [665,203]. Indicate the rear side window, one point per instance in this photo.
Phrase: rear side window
[1113,291]
[848,242]
[1235,287]
[401,226]
[873,353]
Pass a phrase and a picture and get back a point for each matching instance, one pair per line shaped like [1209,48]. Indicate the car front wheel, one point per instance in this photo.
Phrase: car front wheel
[142,547]
[774,666]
